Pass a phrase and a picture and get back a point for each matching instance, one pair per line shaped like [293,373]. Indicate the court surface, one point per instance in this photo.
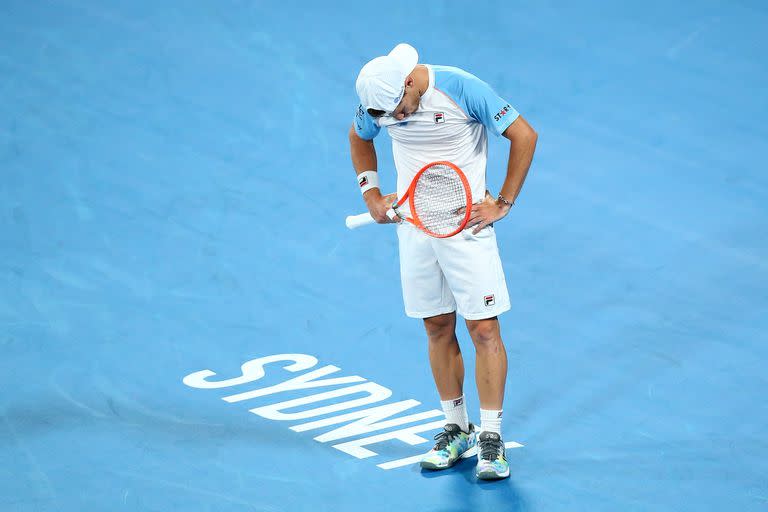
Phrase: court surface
[173,182]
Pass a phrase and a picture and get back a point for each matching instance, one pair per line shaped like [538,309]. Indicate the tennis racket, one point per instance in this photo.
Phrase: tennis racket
[439,198]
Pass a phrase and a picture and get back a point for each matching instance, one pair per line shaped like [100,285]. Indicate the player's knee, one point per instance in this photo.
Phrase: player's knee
[440,328]
[484,333]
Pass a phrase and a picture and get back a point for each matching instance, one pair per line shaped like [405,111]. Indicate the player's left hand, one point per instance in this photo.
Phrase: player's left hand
[486,212]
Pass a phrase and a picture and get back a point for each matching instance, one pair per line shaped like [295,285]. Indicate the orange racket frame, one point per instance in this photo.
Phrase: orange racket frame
[355,221]
[409,195]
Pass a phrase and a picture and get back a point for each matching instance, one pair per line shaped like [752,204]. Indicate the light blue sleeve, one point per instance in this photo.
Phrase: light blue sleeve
[476,98]
[366,126]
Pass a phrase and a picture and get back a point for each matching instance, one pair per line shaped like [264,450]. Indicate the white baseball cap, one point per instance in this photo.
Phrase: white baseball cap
[381,82]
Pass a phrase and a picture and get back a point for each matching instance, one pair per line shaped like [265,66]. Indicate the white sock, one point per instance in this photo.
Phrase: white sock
[490,420]
[456,412]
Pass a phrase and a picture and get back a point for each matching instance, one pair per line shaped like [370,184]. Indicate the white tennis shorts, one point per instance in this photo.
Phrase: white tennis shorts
[441,275]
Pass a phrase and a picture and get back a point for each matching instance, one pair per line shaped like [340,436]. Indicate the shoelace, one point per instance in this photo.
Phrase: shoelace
[444,438]
[490,449]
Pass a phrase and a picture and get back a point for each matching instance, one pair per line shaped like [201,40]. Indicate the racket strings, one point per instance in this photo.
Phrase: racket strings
[440,200]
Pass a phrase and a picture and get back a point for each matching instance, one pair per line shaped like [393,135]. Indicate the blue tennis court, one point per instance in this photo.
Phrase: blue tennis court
[187,324]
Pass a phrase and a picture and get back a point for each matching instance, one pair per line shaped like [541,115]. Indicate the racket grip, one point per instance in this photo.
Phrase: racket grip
[363,219]
[355,221]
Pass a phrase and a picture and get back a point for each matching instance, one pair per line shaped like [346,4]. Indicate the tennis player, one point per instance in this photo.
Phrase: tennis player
[444,113]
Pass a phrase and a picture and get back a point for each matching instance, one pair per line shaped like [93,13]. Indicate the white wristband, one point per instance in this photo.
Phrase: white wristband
[368,180]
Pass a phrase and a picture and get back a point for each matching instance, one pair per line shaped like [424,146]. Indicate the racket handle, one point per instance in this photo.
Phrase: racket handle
[363,219]
[355,221]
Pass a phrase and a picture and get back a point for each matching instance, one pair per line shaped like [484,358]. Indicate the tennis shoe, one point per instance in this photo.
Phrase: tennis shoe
[451,444]
[491,458]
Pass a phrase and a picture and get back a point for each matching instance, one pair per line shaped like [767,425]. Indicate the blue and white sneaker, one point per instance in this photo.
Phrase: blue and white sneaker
[451,444]
[491,457]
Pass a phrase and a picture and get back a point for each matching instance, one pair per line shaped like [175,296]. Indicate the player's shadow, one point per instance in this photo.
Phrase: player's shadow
[506,491]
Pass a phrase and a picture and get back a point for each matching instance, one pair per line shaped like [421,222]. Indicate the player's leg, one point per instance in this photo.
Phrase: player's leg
[426,296]
[490,362]
[473,270]
[490,376]
[448,371]
[445,355]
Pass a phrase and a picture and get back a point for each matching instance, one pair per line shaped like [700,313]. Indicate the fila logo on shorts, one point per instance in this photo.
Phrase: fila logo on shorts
[489,300]
[439,117]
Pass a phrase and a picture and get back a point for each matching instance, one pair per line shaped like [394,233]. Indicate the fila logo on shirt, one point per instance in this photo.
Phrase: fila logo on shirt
[501,113]
[489,300]
[439,117]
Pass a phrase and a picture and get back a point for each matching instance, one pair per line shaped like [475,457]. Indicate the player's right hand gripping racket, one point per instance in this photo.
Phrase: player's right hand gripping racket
[439,199]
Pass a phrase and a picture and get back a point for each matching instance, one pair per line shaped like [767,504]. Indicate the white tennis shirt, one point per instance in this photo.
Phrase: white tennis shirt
[450,124]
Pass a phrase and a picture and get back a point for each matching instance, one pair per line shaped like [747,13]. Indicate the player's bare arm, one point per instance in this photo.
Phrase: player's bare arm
[364,159]
[522,139]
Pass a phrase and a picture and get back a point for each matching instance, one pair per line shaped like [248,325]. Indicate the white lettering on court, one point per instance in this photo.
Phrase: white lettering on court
[376,393]
[301,382]
[357,422]
[252,370]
